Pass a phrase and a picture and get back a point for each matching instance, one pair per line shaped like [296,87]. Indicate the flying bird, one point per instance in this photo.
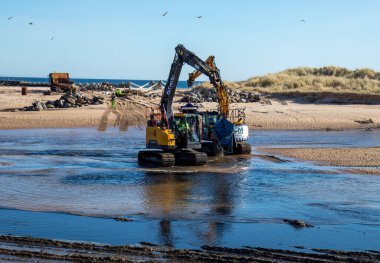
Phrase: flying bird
[199,17]
[164,14]
[303,20]
[30,23]
[11,17]
[51,38]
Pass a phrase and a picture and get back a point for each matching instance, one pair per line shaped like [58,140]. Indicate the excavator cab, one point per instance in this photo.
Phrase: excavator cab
[187,131]
[209,119]
[187,127]
[210,140]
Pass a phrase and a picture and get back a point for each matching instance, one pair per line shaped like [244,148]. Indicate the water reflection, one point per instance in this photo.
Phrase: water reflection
[166,235]
[167,193]
[203,197]
[223,201]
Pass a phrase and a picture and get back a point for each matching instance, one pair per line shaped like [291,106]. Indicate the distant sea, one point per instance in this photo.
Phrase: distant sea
[181,84]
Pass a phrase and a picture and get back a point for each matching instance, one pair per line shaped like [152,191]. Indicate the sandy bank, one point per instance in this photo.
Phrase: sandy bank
[368,158]
[40,249]
[296,116]
[278,115]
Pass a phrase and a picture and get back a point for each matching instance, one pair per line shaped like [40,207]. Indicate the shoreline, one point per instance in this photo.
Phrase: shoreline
[31,248]
[92,126]
[71,118]
[269,115]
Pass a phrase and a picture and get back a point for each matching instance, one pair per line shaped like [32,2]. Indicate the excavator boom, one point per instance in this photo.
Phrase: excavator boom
[207,68]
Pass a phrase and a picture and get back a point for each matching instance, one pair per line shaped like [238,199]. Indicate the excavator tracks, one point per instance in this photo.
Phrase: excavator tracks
[167,159]
[156,158]
[242,148]
[190,158]
[212,149]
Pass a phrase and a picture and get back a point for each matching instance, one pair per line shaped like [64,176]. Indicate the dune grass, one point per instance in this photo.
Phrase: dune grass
[306,80]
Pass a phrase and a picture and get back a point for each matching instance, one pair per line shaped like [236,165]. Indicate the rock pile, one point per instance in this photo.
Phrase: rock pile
[152,95]
[96,86]
[69,100]
[297,223]
[22,83]
[199,95]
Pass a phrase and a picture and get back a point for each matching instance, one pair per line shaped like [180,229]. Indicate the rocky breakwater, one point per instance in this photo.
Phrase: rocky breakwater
[199,95]
[69,100]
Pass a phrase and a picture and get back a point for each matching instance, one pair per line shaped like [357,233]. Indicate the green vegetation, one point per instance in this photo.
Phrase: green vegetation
[310,80]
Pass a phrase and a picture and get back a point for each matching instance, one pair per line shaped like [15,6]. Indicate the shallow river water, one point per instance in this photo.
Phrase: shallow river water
[70,183]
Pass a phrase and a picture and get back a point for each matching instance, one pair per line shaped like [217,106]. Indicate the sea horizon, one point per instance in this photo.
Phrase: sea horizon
[140,82]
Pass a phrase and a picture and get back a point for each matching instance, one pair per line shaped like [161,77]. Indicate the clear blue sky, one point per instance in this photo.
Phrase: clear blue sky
[131,40]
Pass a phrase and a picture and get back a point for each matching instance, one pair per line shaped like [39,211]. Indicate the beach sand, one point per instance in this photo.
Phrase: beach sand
[259,116]
[11,118]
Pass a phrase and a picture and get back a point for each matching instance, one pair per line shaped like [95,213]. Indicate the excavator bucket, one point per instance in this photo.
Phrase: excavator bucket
[224,130]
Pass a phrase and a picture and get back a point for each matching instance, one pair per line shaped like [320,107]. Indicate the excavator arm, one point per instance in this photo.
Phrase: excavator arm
[207,68]
[169,91]
[196,73]
[219,86]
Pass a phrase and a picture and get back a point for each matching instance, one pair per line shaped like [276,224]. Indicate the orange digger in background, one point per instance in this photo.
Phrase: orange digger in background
[60,82]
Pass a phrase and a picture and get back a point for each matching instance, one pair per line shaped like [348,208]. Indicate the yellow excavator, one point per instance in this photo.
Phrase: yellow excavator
[174,139]
[177,138]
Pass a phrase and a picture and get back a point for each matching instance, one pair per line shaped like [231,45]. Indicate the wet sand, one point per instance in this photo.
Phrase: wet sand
[368,158]
[278,115]
[31,249]
[362,171]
